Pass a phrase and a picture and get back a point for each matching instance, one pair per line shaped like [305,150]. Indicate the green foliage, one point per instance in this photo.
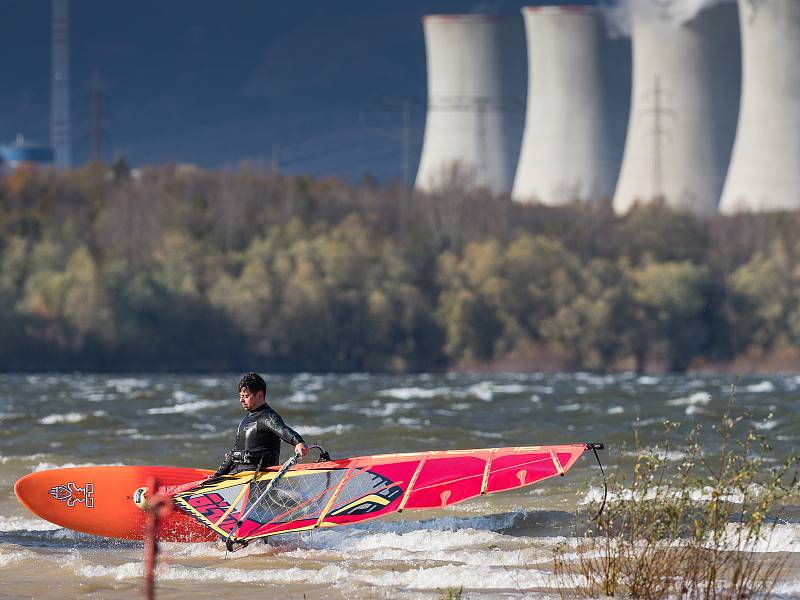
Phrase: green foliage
[695,530]
[177,268]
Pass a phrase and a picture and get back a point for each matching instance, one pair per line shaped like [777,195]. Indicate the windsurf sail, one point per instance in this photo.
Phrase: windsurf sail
[241,507]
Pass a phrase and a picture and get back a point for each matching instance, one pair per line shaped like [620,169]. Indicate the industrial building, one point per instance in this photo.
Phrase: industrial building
[21,151]
[476,101]
[577,107]
[764,172]
[684,106]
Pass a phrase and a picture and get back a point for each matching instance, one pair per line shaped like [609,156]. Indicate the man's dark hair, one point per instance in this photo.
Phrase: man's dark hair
[253,382]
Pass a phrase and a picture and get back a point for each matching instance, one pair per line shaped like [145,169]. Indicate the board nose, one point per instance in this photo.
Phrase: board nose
[21,491]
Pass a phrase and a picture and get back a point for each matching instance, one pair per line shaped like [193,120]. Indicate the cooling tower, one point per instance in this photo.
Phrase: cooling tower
[476,101]
[574,130]
[684,105]
[765,168]
[60,137]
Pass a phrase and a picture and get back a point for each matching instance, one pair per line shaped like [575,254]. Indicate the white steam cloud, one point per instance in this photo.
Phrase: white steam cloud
[675,12]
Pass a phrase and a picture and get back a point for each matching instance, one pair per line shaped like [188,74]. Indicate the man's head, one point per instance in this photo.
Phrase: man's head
[252,391]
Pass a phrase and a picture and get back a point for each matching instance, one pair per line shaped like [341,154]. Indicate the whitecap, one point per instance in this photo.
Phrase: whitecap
[760,388]
[696,399]
[615,410]
[182,396]
[15,556]
[125,385]
[568,407]
[386,409]
[648,380]
[407,393]
[313,430]
[47,466]
[10,524]
[72,417]
[187,407]
[543,389]
[300,397]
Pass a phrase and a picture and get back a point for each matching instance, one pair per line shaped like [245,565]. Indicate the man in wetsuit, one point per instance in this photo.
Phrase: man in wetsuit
[258,438]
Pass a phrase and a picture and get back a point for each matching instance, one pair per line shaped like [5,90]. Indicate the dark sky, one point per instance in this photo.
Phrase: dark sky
[216,83]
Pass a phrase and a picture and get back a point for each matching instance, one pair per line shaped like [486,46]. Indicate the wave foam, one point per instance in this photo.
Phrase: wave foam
[47,466]
[763,387]
[407,393]
[72,417]
[11,524]
[313,430]
[694,404]
[189,406]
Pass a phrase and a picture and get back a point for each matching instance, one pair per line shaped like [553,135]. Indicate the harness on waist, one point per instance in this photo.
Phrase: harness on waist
[246,457]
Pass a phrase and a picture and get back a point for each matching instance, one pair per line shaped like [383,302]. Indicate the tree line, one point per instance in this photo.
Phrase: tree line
[181,269]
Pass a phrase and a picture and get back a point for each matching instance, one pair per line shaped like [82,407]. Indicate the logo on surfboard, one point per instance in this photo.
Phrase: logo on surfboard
[72,494]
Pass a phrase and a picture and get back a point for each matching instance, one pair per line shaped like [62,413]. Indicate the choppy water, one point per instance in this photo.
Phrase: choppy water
[494,545]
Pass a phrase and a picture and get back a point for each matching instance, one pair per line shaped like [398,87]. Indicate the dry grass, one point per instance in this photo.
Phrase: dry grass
[693,531]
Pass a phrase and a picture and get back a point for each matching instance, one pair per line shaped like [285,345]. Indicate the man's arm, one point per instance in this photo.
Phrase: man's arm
[225,467]
[275,423]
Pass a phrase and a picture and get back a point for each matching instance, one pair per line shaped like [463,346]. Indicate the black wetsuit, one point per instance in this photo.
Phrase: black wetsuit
[258,442]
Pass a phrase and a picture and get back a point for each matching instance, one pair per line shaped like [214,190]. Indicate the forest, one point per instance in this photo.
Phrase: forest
[174,268]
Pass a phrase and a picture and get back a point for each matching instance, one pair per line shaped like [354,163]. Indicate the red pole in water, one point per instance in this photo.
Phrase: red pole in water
[156,507]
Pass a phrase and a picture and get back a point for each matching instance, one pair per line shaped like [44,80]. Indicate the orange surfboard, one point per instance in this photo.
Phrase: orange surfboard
[99,501]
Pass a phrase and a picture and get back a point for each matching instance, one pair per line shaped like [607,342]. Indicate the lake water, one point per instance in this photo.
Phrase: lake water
[497,545]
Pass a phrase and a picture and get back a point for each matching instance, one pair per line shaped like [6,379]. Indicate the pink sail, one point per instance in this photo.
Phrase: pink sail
[343,492]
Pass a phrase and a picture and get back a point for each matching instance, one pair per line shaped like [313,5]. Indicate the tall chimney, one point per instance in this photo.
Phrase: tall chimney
[60,136]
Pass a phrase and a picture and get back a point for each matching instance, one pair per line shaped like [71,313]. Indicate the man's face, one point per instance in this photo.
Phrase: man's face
[249,400]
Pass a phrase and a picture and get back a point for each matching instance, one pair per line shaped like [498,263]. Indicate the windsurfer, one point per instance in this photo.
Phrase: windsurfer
[258,438]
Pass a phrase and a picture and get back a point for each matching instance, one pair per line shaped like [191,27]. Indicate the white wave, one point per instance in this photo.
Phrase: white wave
[408,422]
[569,407]
[187,407]
[48,466]
[474,577]
[615,410]
[15,556]
[595,380]
[386,409]
[461,406]
[300,397]
[780,538]
[72,417]
[693,403]
[543,389]
[697,495]
[125,385]
[648,380]
[767,425]
[183,397]
[407,393]
[789,589]
[8,524]
[314,430]
[490,434]
[669,455]
[760,388]
[23,458]
[486,390]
